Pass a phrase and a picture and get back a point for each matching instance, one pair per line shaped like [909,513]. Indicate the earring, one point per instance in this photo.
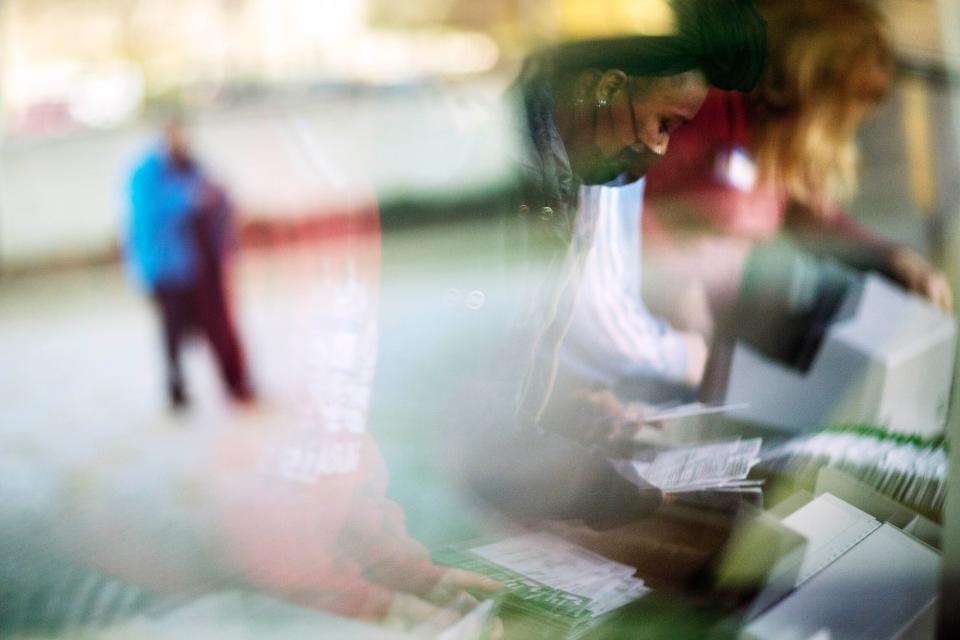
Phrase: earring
[614,84]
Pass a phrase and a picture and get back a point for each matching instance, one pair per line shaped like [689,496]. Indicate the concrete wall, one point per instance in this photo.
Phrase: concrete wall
[65,198]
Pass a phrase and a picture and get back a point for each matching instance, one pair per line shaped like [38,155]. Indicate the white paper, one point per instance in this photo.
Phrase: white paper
[874,590]
[831,527]
[701,466]
[470,626]
[690,410]
[567,567]
[550,560]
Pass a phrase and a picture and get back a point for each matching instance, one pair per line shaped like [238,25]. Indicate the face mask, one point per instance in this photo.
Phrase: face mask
[638,158]
[635,160]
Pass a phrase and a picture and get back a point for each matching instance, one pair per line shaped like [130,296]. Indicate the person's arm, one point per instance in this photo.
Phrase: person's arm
[375,536]
[534,476]
[840,236]
[535,470]
[375,532]
[612,334]
[216,205]
[628,341]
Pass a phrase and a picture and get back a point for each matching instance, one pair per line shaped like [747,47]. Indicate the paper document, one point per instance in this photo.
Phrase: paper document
[716,466]
[832,527]
[874,590]
[550,579]
[690,410]
[551,560]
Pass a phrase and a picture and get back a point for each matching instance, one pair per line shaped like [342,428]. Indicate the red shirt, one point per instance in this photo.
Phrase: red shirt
[707,180]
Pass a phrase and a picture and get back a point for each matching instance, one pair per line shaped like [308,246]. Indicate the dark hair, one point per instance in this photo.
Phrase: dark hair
[726,39]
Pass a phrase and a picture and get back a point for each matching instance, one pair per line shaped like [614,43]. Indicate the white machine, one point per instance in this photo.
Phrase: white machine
[885,360]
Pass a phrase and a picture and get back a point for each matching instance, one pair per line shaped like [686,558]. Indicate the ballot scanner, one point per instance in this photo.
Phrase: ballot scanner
[880,356]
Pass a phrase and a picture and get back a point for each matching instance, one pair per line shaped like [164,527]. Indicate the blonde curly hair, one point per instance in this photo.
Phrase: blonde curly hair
[830,62]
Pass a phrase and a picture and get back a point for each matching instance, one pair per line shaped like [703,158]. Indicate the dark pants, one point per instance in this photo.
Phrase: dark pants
[203,308]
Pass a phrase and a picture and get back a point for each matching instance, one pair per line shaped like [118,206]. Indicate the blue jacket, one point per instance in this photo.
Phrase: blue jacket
[161,247]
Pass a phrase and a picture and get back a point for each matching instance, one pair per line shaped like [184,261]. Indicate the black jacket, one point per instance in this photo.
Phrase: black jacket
[533,460]
[493,399]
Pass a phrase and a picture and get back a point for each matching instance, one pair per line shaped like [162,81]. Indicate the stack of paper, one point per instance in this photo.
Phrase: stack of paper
[908,469]
[832,527]
[721,466]
[858,578]
[551,582]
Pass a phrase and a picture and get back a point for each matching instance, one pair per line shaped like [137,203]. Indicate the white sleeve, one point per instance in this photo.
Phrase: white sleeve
[612,334]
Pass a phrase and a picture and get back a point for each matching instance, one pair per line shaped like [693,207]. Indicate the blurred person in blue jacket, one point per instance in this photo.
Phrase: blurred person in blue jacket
[180,234]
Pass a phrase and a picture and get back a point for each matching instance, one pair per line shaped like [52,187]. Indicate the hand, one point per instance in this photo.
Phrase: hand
[455,582]
[464,605]
[916,274]
[651,498]
[419,618]
[606,419]
[408,612]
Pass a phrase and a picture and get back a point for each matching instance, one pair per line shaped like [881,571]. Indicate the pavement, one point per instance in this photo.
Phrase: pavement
[97,471]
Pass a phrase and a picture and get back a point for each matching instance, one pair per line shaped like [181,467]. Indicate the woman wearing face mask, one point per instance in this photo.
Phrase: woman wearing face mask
[612,336]
[782,156]
[597,115]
